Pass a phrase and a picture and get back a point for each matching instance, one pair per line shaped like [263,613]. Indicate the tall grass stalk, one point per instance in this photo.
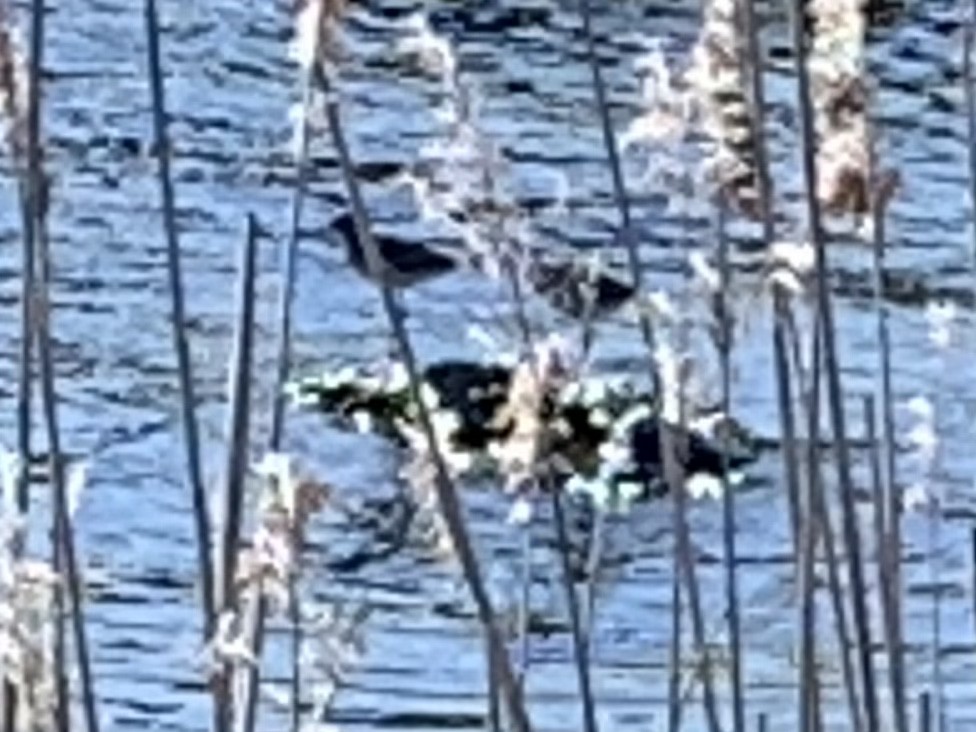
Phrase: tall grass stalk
[191,438]
[289,274]
[728,497]
[687,562]
[673,473]
[831,363]
[524,605]
[580,645]
[65,560]
[13,112]
[238,433]
[890,510]
[245,719]
[64,550]
[969,40]
[808,686]
[674,662]
[823,526]
[620,196]
[448,501]
[237,461]
[753,58]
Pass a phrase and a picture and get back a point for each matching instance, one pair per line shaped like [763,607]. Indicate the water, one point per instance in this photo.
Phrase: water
[230,87]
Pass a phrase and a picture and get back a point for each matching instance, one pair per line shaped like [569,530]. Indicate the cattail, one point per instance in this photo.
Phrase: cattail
[13,86]
[717,77]
[840,97]
[315,30]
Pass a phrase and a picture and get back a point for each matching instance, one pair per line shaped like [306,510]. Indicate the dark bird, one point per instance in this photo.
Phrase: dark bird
[576,288]
[402,263]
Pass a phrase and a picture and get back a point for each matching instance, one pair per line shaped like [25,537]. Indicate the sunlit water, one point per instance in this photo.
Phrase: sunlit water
[230,88]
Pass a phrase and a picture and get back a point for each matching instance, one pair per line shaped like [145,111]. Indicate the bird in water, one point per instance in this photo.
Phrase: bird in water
[568,284]
[402,263]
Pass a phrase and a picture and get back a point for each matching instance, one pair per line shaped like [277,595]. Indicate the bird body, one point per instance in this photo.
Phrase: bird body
[402,263]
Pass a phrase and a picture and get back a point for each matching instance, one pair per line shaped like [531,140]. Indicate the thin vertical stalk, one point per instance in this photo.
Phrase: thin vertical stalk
[524,608]
[808,687]
[616,170]
[672,470]
[446,491]
[247,707]
[969,38]
[591,581]
[181,345]
[33,210]
[494,708]
[238,428]
[237,460]
[824,526]
[580,644]
[285,305]
[889,536]
[674,662]
[728,498]
[834,386]
[67,561]
[674,476]
[781,309]
[925,712]
[27,318]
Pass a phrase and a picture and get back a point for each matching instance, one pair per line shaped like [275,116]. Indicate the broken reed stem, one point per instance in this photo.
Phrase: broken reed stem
[728,497]
[447,496]
[191,438]
[834,387]
[580,644]
[753,58]
[238,433]
[889,536]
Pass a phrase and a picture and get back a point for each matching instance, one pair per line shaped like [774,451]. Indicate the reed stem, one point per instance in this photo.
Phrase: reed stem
[834,387]
[448,502]
[239,430]
[889,518]
[753,58]
[191,438]
[65,554]
[728,497]
[580,641]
